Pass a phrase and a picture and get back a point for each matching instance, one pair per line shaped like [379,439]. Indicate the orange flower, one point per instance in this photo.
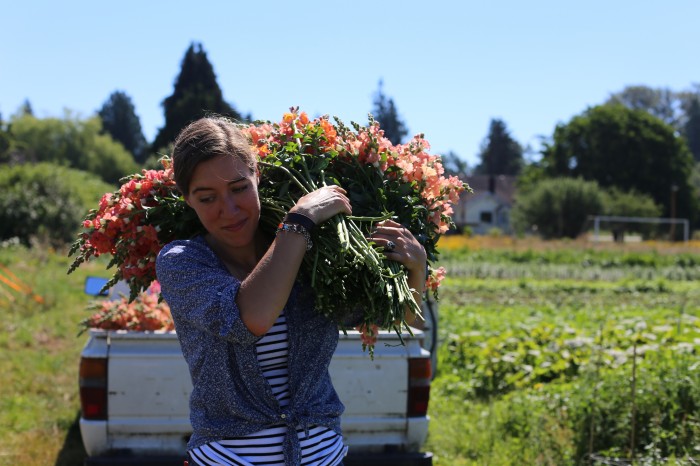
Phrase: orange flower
[329,131]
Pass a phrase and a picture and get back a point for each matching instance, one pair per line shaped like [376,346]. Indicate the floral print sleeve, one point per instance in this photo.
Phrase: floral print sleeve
[200,291]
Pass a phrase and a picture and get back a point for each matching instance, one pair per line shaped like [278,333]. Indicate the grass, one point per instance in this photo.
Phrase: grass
[494,286]
[38,339]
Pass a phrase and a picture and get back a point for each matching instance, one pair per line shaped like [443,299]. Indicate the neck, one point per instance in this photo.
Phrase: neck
[239,261]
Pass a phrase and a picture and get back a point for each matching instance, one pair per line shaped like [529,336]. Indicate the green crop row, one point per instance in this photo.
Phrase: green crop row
[585,257]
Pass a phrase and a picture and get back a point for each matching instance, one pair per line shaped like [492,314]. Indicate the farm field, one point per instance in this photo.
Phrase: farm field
[567,353]
[550,353]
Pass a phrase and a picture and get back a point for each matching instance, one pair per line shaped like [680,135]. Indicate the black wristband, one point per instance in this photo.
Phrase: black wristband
[300,219]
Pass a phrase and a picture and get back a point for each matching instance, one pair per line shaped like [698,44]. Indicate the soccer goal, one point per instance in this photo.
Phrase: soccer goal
[597,219]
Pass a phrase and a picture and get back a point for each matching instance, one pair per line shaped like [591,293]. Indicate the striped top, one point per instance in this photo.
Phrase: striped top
[320,446]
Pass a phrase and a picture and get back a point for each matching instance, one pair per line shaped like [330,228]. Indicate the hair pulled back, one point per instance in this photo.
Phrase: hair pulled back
[203,140]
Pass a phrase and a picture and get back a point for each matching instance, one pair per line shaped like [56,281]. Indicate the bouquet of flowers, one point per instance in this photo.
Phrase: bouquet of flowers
[351,279]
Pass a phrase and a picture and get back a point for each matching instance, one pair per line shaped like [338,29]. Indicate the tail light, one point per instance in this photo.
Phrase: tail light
[419,375]
[93,388]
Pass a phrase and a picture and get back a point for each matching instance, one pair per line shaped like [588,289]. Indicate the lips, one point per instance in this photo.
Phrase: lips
[236,226]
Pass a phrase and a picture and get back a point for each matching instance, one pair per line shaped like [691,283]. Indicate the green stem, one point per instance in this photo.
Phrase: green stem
[294,178]
[370,219]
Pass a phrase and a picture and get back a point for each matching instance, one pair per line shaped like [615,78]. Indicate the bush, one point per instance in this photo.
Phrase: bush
[557,207]
[45,200]
[631,204]
[71,142]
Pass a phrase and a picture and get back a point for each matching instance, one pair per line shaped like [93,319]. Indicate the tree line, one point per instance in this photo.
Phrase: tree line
[107,146]
[636,154]
[196,93]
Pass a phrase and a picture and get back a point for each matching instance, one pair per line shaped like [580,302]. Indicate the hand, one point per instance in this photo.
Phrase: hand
[322,204]
[406,248]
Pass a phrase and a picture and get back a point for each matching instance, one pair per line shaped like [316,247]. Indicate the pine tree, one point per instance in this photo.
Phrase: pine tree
[4,142]
[500,153]
[385,113]
[455,165]
[196,94]
[26,108]
[692,129]
[119,120]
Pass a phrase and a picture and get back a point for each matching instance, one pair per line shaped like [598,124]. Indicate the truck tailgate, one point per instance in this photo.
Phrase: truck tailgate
[375,393]
[148,397]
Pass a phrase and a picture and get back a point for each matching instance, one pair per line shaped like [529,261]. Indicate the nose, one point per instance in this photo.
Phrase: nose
[229,205]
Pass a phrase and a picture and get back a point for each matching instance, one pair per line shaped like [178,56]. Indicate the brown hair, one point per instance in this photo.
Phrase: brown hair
[203,140]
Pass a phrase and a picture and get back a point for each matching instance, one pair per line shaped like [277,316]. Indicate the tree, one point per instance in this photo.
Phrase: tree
[120,121]
[4,142]
[384,111]
[627,149]
[196,94]
[26,108]
[692,128]
[70,142]
[4,146]
[678,109]
[455,165]
[500,153]
[695,178]
[557,207]
[661,103]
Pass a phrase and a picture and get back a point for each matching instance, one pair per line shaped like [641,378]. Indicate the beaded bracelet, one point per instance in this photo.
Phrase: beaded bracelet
[296,228]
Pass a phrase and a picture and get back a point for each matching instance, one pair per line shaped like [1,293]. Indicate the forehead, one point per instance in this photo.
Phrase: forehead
[219,171]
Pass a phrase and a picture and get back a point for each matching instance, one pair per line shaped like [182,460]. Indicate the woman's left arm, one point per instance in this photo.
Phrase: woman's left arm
[400,245]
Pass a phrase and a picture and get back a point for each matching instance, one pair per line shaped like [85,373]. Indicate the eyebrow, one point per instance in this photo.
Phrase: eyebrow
[204,188]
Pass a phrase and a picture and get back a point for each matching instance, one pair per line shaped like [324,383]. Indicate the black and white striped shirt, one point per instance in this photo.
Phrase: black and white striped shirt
[321,447]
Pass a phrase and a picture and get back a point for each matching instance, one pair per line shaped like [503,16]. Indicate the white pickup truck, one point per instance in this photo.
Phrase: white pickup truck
[135,387]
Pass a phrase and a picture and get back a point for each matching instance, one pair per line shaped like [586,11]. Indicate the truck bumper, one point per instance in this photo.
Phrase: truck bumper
[362,459]
[389,459]
[135,460]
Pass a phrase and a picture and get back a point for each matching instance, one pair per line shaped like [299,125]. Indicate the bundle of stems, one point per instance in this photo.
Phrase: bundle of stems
[353,282]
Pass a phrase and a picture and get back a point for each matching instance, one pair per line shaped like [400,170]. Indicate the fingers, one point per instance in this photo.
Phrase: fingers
[339,197]
[323,203]
[399,244]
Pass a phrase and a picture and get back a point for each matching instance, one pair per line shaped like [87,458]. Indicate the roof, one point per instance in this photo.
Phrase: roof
[504,186]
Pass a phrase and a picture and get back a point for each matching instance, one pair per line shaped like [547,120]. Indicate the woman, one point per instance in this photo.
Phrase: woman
[258,354]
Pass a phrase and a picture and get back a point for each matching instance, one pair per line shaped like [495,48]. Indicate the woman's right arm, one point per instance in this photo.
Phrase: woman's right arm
[264,293]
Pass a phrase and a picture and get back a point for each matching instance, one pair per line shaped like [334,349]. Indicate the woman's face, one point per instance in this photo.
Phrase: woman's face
[224,194]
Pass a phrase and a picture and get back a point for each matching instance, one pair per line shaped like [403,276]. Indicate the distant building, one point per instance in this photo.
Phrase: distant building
[488,206]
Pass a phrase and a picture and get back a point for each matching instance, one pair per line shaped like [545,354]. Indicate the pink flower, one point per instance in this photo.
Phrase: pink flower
[435,278]
[368,334]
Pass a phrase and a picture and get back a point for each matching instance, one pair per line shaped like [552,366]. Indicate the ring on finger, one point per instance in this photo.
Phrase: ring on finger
[390,246]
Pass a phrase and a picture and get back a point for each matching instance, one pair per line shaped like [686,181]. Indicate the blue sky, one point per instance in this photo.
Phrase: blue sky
[450,66]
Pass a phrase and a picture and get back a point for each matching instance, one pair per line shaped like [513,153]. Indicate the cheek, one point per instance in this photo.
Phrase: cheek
[253,200]
[206,212]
